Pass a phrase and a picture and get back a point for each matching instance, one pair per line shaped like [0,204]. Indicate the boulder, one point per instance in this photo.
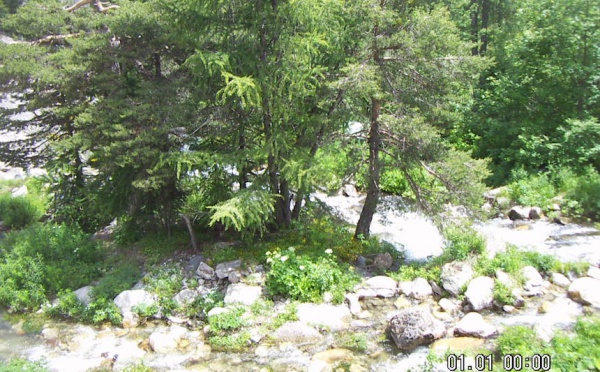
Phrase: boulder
[414,327]
[224,269]
[585,291]
[126,300]
[205,272]
[334,317]
[242,294]
[349,190]
[533,281]
[473,325]
[296,333]
[480,293]
[383,261]
[19,191]
[455,275]
[448,306]
[535,213]
[418,289]
[353,303]
[594,272]
[130,320]
[518,213]
[185,297]
[378,286]
[505,279]
[166,342]
[84,294]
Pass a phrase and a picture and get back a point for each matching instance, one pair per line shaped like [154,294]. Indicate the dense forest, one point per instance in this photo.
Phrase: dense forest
[169,129]
[229,114]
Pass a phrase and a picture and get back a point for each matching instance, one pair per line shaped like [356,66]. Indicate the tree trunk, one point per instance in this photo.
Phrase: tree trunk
[366,215]
[475,27]
[190,228]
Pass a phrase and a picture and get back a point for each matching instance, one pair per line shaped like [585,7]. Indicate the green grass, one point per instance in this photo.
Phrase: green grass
[22,365]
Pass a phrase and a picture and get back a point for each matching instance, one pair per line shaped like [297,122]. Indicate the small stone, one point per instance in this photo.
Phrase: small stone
[560,280]
[353,303]
[544,307]
[585,291]
[448,306]
[130,319]
[223,269]
[402,303]
[234,277]
[333,355]
[383,261]
[474,325]
[205,272]
[509,309]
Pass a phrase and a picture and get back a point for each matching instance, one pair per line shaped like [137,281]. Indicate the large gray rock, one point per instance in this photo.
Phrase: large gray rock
[242,294]
[84,294]
[585,291]
[126,300]
[334,317]
[518,213]
[185,297]
[224,269]
[378,286]
[297,333]
[166,342]
[455,275]
[383,261]
[473,325]
[414,327]
[204,271]
[533,281]
[418,289]
[480,293]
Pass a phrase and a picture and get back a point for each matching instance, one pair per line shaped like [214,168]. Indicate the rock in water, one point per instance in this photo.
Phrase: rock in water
[414,327]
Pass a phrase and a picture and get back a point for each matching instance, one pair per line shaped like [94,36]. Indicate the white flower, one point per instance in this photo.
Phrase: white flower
[328,251]
[301,267]
[269,260]
[291,249]
[283,258]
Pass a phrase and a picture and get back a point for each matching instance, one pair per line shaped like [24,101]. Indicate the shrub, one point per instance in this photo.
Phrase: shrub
[304,279]
[503,294]
[581,352]
[19,212]
[462,241]
[203,304]
[118,279]
[412,271]
[532,190]
[583,192]
[22,365]
[353,341]
[519,340]
[225,333]
[41,260]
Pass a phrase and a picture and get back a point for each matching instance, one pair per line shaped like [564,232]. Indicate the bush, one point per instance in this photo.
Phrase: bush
[304,279]
[503,293]
[583,195]
[42,260]
[21,365]
[203,304]
[519,340]
[581,352]
[19,212]
[117,280]
[532,190]
[462,241]
[225,333]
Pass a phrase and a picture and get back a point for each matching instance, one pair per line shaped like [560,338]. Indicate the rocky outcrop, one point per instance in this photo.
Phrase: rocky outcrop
[480,293]
[418,289]
[473,325]
[334,317]
[126,300]
[378,286]
[455,275]
[414,327]
[296,333]
[204,271]
[224,269]
[242,294]
[167,342]
[585,291]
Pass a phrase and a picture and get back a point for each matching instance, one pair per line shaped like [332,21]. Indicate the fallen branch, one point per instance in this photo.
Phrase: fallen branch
[53,39]
[102,7]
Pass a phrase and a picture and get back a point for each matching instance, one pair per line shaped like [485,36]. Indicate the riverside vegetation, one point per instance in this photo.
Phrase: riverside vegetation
[37,258]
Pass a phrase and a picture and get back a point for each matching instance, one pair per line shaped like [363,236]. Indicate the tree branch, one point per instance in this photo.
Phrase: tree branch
[102,7]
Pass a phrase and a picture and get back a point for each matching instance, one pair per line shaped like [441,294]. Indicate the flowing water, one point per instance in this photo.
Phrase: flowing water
[79,348]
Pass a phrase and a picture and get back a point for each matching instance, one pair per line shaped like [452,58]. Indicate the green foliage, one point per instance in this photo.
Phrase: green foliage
[165,281]
[394,182]
[353,341]
[418,270]
[38,263]
[203,304]
[68,307]
[20,211]
[138,368]
[503,293]
[118,279]
[247,212]
[225,333]
[22,365]
[305,279]
[145,311]
[101,310]
[532,190]
[461,242]
[580,352]
[513,260]
[578,268]
[519,340]
[583,192]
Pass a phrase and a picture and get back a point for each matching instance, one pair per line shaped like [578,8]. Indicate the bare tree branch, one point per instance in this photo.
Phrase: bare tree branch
[102,7]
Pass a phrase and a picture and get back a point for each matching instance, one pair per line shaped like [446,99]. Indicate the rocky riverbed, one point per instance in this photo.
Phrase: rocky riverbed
[383,324]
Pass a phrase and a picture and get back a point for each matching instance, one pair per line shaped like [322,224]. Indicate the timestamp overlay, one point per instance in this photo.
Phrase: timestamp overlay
[509,362]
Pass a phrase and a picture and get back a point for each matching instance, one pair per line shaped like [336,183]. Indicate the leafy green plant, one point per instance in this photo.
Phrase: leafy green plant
[535,190]
[353,341]
[227,321]
[22,365]
[38,263]
[236,342]
[203,304]
[503,293]
[462,241]
[520,340]
[120,278]
[416,270]
[306,279]
[580,352]
[165,281]
[21,211]
[583,192]
[225,330]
